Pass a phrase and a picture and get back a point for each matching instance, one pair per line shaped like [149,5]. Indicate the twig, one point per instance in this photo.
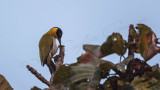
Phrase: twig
[39,76]
[59,59]
[130,40]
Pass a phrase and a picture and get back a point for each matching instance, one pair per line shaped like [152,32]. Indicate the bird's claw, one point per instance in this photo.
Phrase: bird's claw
[60,46]
[56,57]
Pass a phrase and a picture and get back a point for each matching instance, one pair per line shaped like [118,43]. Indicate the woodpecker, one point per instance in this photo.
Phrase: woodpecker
[48,47]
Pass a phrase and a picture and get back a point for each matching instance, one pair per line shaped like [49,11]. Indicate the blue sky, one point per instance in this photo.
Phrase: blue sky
[23,22]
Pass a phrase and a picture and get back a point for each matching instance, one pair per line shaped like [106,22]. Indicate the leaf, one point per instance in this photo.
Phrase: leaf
[155,86]
[143,29]
[155,67]
[62,76]
[82,71]
[81,86]
[95,81]
[101,87]
[4,85]
[127,87]
[85,74]
[133,32]
[94,49]
[109,83]
[114,44]
[58,87]
[105,68]
[85,58]
[35,88]
[121,66]
[134,35]
[148,44]
[143,83]
[88,58]
[155,72]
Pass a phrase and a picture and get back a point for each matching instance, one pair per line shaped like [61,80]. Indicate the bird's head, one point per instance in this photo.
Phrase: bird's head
[56,32]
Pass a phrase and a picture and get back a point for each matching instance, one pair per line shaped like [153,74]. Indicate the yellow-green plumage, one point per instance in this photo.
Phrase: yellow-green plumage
[48,47]
[45,46]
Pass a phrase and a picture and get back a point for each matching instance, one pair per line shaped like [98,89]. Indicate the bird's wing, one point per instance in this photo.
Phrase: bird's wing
[45,45]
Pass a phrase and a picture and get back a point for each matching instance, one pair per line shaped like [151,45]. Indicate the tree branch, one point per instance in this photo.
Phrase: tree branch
[59,59]
[39,76]
[130,40]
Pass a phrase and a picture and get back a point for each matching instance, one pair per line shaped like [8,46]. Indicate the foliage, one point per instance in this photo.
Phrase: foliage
[35,88]
[4,85]
[130,74]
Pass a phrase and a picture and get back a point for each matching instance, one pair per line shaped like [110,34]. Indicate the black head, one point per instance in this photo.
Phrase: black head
[59,35]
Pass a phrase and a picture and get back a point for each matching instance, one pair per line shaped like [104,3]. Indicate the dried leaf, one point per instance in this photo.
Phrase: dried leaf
[88,58]
[94,49]
[148,43]
[4,85]
[148,46]
[85,58]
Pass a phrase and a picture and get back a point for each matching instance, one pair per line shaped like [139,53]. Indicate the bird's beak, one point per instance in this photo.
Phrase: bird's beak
[59,39]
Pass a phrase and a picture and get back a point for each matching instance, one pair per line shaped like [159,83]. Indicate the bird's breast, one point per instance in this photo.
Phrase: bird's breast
[54,47]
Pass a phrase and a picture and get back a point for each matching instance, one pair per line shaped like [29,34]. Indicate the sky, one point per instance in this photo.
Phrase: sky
[23,22]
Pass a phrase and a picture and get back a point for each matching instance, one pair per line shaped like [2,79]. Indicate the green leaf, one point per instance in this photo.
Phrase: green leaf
[155,68]
[109,83]
[95,81]
[59,87]
[127,87]
[114,44]
[143,29]
[81,72]
[133,32]
[105,68]
[35,88]
[62,75]
[121,66]
[155,86]
[85,75]
[155,72]
[81,86]
[143,83]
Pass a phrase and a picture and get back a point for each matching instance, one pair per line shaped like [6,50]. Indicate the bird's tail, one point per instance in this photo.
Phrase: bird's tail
[52,67]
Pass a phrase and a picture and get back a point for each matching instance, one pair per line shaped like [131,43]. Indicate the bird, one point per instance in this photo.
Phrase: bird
[48,47]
